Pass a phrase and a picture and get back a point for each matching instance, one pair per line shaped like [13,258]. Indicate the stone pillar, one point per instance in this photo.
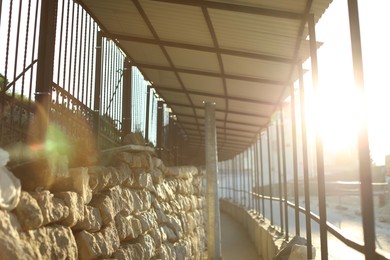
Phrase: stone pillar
[214,230]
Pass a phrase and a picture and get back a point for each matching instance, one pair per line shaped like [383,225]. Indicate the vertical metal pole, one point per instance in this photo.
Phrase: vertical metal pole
[44,81]
[256,163]
[235,179]
[214,232]
[160,127]
[284,175]
[147,114]
[262,176]
[363,142]
[319,146]
[250,159]
[126,98]
[295,161]
[279,176]
[305,164]
[98,71]
[270,177]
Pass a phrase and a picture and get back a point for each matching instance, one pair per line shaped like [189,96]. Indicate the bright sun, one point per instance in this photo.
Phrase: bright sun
[333,113]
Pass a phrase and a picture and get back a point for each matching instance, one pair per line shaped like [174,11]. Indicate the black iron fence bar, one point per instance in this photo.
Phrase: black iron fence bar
[363,142]
[319,145]
[278,151]
[98,71]
[47,32]
[305,162]
[270,174]
[284,170]
[295,160]
[127,97]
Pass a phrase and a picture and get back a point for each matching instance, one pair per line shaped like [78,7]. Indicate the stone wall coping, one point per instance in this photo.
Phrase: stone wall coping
[130,148]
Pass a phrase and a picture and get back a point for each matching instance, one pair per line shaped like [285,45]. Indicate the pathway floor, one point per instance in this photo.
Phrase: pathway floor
[236,244]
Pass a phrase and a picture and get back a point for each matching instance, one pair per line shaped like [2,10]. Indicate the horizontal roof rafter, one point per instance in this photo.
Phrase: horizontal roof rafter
[238,53]
[220,120]
[221,110]
[211,74]
[238,8]
[248,100]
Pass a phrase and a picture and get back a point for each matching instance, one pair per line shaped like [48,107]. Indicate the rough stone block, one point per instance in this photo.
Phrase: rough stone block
[88,246]
[157,176]
[147,221]
[155,233]
[77,181]
[11,246]
[123,224]
[138,203]
[98,178]
[130,252]
[111,238]
[183,250]
[42,173]
[169,234]
[147,242]
[137,227]
[92,220]
[75,204]
[104,203]
[28,212]
[182,172]
[53,209]
[52,242]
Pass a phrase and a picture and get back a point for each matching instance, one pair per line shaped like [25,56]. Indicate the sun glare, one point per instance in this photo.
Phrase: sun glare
[334,116]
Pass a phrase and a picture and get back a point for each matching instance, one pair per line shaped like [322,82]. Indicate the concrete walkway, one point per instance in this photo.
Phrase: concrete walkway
[236,244]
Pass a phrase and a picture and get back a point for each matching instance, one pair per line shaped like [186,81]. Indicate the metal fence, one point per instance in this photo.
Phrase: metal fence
[277,177]
[85,79]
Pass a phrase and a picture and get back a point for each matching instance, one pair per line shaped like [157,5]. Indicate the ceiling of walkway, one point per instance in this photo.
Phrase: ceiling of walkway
[240,54]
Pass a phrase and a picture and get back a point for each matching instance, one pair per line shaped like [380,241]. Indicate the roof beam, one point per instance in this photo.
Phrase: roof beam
[237,8]
[200,48]
[220,110]
[219,120]
[211,74]
[248,100]
[219,127]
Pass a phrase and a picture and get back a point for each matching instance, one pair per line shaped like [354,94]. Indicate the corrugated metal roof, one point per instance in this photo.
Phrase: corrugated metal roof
[240,54]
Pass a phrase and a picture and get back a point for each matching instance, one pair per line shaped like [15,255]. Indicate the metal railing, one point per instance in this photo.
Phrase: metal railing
[86,93]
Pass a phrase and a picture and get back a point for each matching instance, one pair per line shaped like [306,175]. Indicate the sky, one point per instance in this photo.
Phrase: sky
[338,95]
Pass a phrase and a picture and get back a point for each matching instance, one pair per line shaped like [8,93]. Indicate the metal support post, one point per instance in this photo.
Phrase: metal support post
[270,177]
[262,176]
[305,164]
[295,161]
[284,170]
[147,114]
[363,142]
[257,172]
[319,146]
[279,176]
[127,98]
[44,80]
[214,231]
[160,127]
[98,70]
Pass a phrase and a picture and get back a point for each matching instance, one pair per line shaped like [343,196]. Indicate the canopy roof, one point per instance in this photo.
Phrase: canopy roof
[240,54]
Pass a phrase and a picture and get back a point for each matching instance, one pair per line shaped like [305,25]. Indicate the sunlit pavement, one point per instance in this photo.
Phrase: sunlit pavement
[236,243]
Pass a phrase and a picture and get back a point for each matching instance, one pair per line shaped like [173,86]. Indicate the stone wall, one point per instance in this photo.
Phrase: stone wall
[132,208]
[267,241]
